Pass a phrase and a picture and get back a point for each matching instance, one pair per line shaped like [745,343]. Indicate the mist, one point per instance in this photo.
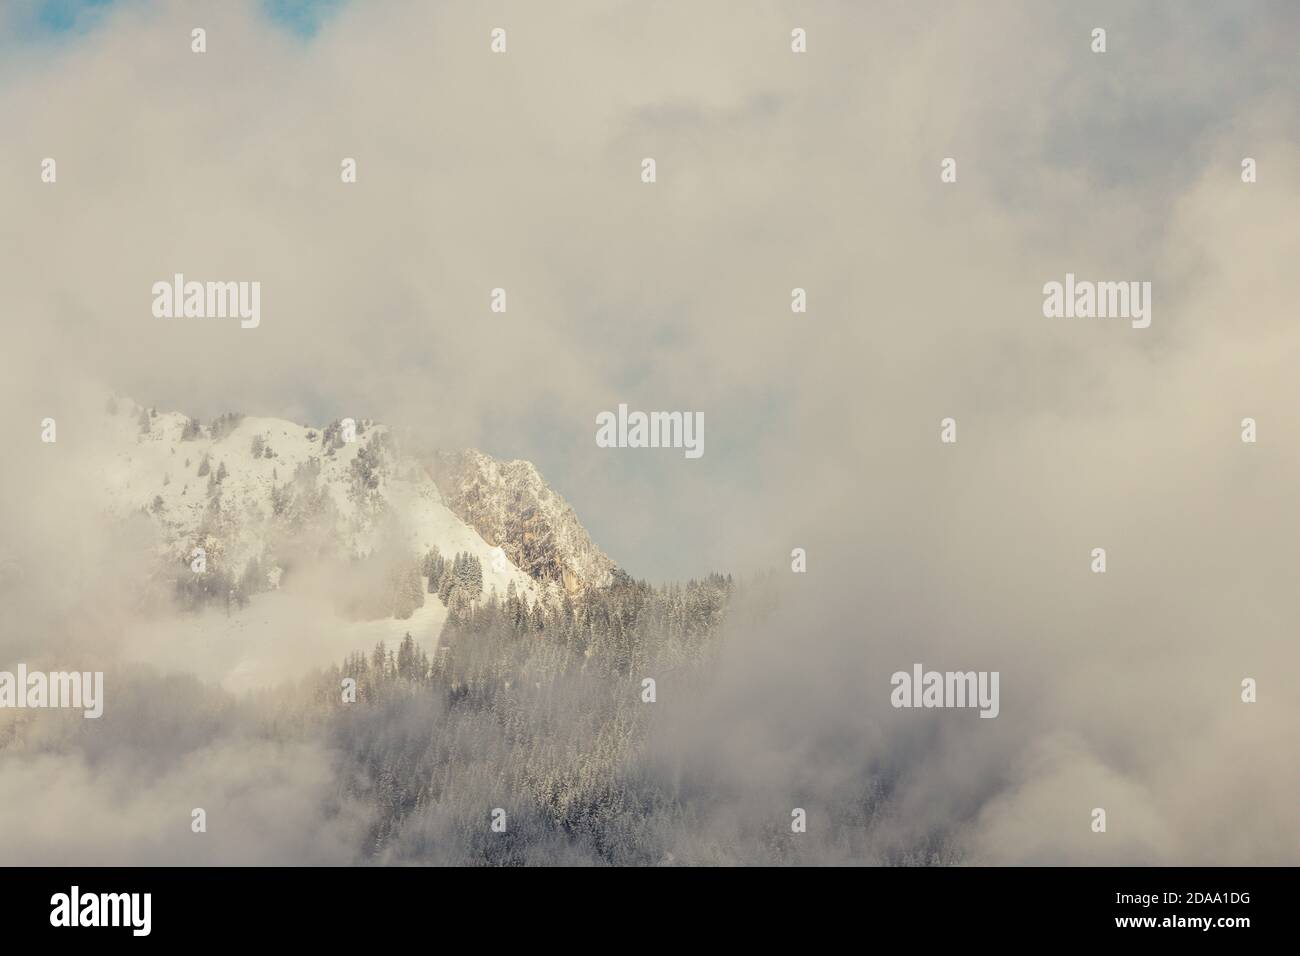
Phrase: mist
[776,171]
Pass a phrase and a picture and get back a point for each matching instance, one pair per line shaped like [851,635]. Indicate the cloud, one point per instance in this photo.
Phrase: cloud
[775,171]
[264,804]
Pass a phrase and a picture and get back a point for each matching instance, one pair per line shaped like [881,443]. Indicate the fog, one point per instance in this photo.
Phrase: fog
[820,171]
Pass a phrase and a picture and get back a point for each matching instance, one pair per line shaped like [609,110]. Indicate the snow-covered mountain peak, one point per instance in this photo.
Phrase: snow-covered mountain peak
[243,486]
[512,506]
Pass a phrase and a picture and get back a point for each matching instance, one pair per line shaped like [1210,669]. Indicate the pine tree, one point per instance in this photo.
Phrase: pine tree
[379,659]
[512,604]
[461,571]
[450,578]
[431,568]
[475,578]
[407,659]
[458,606]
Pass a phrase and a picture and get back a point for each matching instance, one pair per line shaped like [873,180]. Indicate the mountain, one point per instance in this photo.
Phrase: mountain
[342,507]
[274,492]
[511,506]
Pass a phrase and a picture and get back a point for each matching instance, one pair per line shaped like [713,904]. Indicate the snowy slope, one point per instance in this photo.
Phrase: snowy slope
[156,471]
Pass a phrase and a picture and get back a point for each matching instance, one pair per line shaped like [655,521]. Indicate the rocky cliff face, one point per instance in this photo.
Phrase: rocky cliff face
[512,507]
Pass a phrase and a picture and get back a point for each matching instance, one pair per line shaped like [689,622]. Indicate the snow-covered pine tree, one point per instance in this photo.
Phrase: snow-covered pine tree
[408,659]
[512,603]
[450,578]
[474,579]
[458,606]
[461,570]
[431,568]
